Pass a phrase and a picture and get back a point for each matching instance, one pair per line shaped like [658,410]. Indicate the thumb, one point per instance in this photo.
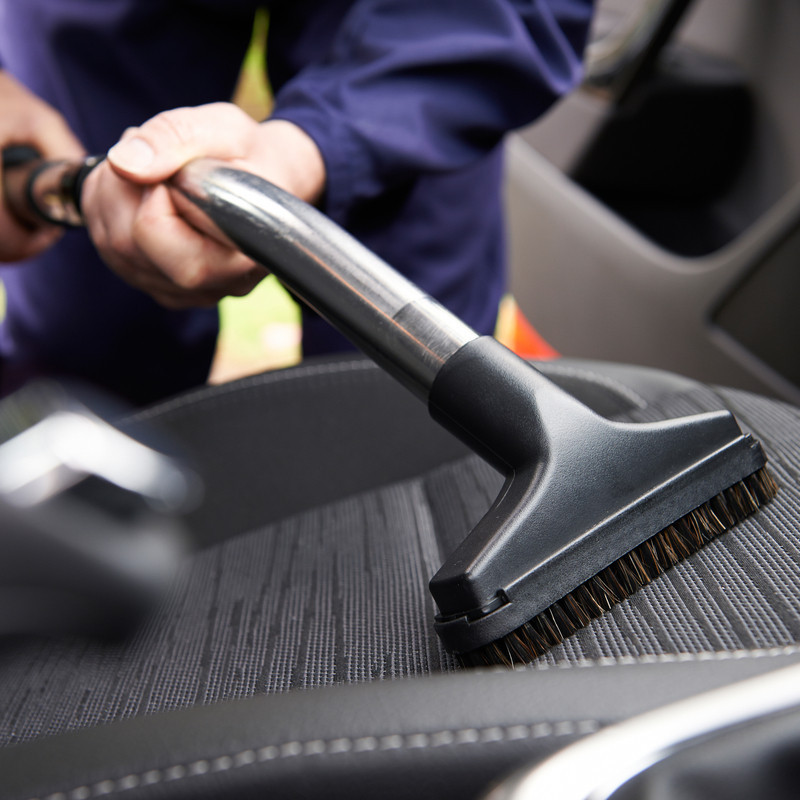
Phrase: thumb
[159,148]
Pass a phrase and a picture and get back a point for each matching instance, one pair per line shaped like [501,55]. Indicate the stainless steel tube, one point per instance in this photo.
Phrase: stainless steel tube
[387,316]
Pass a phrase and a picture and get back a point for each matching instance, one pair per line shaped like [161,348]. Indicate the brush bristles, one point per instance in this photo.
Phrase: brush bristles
[629,573]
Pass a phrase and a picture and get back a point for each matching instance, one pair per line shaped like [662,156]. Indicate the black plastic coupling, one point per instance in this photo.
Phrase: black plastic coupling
[42,192]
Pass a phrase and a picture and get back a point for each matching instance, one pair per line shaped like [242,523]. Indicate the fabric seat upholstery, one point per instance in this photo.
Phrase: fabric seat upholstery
[296,652]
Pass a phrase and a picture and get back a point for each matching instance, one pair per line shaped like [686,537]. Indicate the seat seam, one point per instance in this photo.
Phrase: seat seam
[664,658]
[212,395]
[353,745]
[606,381]
[402,741]
[223,391]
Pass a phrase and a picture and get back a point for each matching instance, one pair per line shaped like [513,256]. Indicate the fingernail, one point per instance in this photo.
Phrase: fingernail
[132,155]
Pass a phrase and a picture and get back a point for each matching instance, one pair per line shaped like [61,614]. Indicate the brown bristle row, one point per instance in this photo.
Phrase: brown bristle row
[629,573]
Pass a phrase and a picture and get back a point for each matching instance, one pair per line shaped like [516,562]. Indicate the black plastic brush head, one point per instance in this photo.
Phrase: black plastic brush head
[591,509]
[629,573]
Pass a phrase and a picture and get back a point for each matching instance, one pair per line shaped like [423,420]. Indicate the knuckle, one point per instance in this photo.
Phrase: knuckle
[142,225]
[175,125]
[226,111]
[193,277]
[121,243]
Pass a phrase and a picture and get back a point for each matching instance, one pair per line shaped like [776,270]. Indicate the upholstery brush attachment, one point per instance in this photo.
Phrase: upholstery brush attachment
[591,509]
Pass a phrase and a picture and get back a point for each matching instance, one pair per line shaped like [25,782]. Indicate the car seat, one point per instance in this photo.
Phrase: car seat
[295,655]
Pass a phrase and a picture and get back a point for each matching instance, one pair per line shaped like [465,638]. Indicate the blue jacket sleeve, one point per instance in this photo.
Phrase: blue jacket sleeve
[415,86]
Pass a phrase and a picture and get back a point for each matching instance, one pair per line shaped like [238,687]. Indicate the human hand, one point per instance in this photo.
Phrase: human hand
[28,120]
[140,232]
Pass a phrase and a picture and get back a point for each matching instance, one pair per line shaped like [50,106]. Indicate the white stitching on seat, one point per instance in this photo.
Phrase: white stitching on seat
[663,658]
[411,741]
[315,747]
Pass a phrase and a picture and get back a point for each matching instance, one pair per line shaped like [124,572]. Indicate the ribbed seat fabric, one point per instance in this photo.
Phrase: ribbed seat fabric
[338,593]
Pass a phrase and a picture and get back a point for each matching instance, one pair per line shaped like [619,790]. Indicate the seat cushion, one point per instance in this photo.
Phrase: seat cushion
[336,592]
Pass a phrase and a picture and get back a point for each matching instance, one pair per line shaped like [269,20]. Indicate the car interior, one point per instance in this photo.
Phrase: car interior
[290,649]
[663,206]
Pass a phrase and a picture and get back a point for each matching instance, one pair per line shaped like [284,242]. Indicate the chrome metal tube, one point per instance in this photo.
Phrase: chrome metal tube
[387,316]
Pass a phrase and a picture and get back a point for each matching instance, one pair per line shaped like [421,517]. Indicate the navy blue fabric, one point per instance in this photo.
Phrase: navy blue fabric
[408,101]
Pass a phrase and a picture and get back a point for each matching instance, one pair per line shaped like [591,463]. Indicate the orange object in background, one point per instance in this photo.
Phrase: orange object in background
[517,334]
